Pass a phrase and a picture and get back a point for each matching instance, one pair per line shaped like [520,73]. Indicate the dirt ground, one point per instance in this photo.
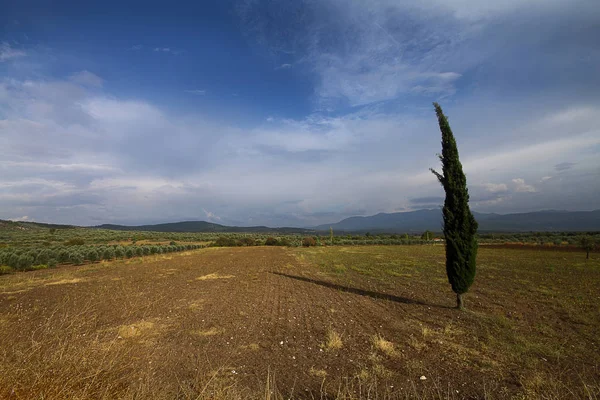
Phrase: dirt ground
[271,322]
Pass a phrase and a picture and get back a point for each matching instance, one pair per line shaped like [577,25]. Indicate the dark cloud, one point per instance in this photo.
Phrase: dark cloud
[564,166]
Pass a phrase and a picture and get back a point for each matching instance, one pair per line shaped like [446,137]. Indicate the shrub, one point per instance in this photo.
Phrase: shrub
[76,258]
[75,242]
[130,252]
[92,255]
[13,260]
[119,252]
[139,251]
[309,241]
[224,241]
[271,241]
[108,253]
[24,262]
[63,256]
[247,241]
[52,263]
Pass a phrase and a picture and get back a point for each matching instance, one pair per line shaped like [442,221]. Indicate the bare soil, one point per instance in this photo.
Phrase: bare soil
[357,322]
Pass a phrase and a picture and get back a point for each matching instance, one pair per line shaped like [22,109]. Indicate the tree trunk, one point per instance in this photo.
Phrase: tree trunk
[459,302]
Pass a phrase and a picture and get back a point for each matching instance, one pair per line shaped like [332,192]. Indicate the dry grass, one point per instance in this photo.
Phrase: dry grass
[136,329]
[320,373]
[334,340]
[385,346]
[64,282]
[214,276]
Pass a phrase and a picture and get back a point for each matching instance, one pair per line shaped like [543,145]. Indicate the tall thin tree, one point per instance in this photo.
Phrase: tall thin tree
[460,226]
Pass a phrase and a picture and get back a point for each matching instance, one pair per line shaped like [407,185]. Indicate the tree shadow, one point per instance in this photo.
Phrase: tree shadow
[361,292]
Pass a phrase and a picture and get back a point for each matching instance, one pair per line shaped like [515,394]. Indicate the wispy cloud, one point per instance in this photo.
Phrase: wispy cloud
[496,187]
[196,91]
[167,50]
[284,66]
[87,78]
[210,216]
[7,52]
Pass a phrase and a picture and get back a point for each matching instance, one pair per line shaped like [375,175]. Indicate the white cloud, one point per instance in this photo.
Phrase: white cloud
[496,187]
[196,91]
[532,157]
[8,53]
[470,10]
[100,158]
[211,216]
[167,50]
[284,66]
[86,78]
[522,187]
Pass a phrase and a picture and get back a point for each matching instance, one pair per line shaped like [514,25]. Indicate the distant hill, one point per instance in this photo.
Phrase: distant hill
[23,225]
[421,220]
[401,222]
[201,226]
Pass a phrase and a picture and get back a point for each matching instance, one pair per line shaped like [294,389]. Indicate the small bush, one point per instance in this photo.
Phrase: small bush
[92,255]
[309,241]
[224,241]
[271,241]
[108,253]
[119,252]
[24,262]
[76,258]
[75,242]
[248,241]
[63,256]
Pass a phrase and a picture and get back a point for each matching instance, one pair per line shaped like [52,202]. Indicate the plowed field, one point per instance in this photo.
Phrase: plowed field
[271,322]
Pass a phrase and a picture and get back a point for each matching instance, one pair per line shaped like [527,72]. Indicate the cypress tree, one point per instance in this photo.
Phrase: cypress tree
[459,224]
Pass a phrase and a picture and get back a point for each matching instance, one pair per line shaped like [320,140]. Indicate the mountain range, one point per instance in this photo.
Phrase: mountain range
[400,222]
[421,220]
[406,222]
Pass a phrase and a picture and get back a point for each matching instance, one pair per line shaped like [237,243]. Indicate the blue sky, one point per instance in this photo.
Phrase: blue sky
[293,113]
